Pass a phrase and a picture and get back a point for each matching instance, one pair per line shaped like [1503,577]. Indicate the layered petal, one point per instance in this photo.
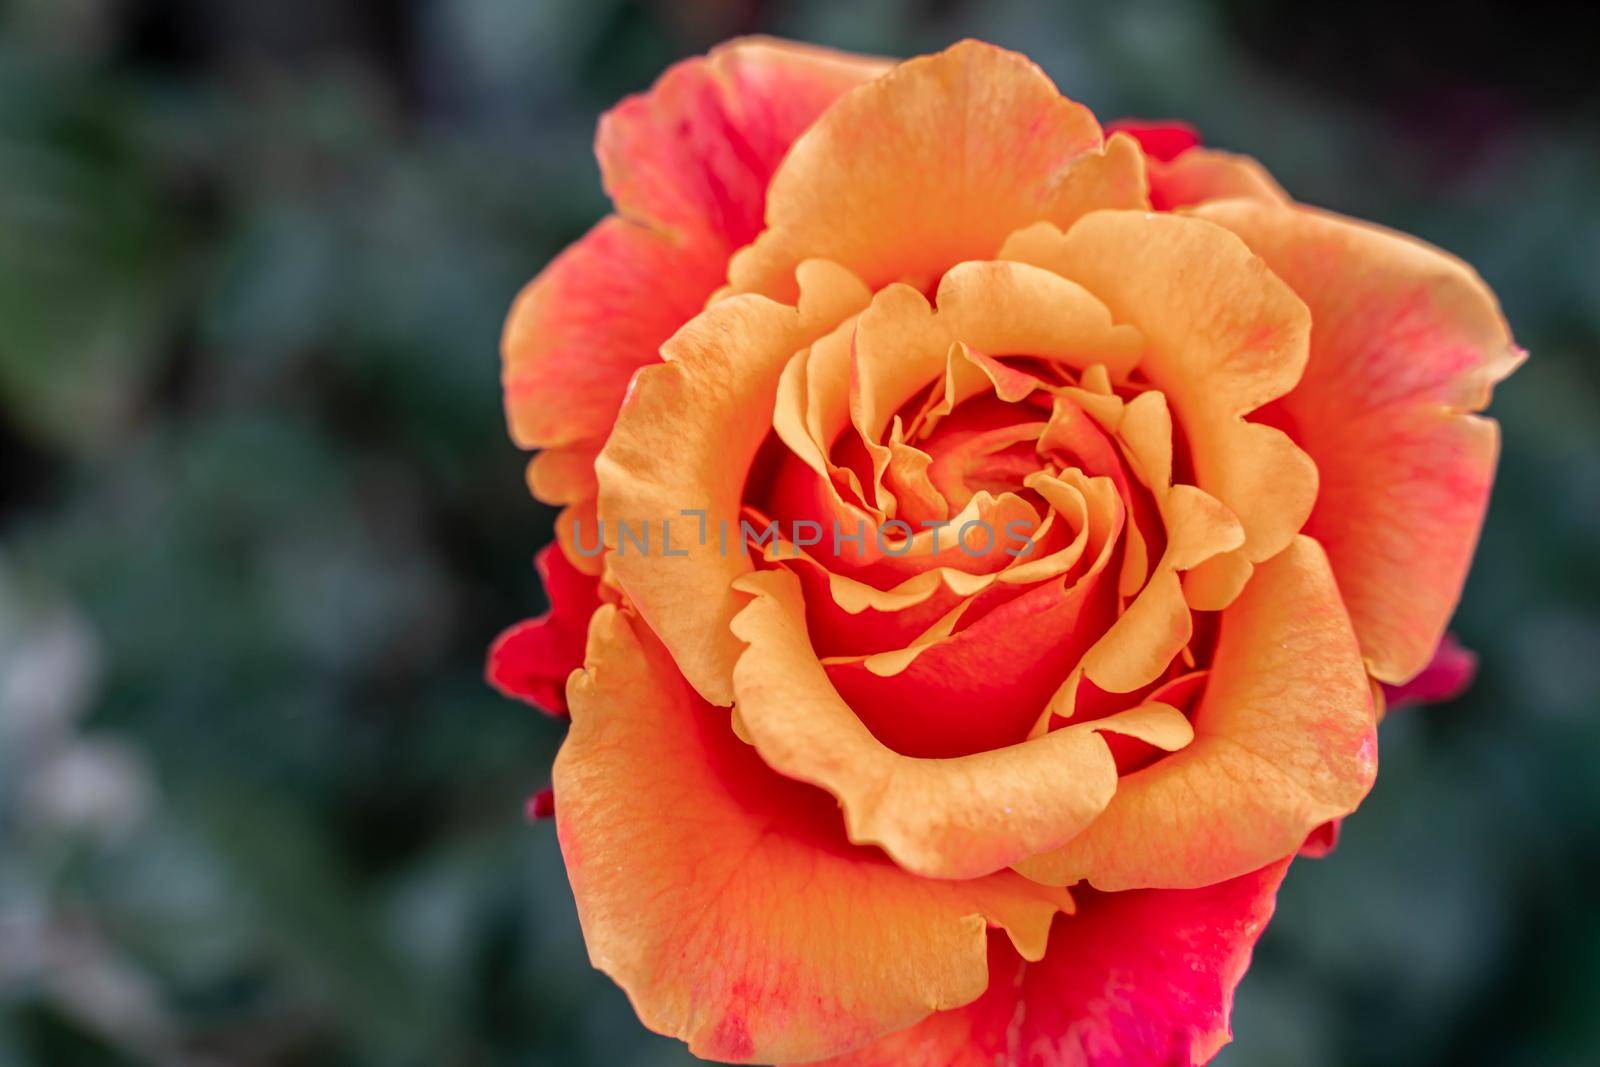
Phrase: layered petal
[1407,343]
[1285,739]
[687,166]
[1202,174]
[679,456]
[1132,979]
[725,900]
[957,817]
[1224,336]
[933,164]
[692,157]
[591,318]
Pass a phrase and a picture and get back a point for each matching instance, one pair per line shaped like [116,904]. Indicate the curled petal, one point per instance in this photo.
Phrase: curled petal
[1285,740]
[683,443]
[1203,174]
[1408,343]
[1225,336]
[959,817]
[1006,308]
[724,899]
[933,164]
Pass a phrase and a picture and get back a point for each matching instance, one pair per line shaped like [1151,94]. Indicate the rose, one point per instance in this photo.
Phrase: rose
[1237,432]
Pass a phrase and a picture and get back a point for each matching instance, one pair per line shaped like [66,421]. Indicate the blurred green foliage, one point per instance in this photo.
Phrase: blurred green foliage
[259,518]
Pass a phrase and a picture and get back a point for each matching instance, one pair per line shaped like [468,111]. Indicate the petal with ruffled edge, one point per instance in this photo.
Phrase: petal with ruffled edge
[1224,338]
[956,817]
[933,164]
[591,318]
[1407,342]
[1137,979]
[687,165]
[692,157]
[675,466]
[1285,739]
[724,899]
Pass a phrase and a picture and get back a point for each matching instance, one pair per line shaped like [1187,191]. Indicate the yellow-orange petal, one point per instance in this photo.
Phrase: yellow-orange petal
[1284,741]
[958,817]
[933,164]
[1406,343]
[1005,308]
[1225,335]
[683,442]
[724,899]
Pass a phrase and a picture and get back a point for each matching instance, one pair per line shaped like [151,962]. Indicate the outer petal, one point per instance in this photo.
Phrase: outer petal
[532,660]
[723,898]
[1285,740]
[933,164]
[1406,342]
[1202,174]
[596,314]
[1181,173]
[684,442]
[1136,979]
[693,156]
[687,165]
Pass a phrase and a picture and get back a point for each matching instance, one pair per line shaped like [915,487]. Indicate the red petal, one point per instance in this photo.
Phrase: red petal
[531,660]
[1446,677]
[1136,979]
[1161,139]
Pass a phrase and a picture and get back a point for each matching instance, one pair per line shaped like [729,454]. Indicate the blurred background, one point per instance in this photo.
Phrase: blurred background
[259,518]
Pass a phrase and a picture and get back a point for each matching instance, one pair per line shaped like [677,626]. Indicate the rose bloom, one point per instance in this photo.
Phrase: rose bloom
[911,795]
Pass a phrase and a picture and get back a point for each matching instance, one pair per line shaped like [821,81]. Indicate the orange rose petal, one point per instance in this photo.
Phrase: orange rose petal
[1006,308]
[901,345]
[1225,337]
[1145,431]
[596,314]
[930,165]
[966,375]
[718,894]
[1145,637]
[1202,174]
[693,156]
[906,478]
[565,474]
[1408,342]
[1284,741]
[945,818]
[684,441]
[1217,582]
[1130,979]
[1157,625]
